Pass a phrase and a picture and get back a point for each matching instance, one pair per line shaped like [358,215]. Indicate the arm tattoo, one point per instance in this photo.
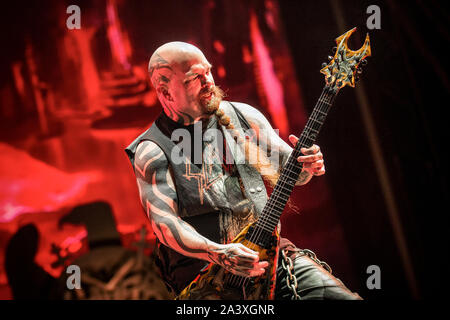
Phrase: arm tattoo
[303,178]
[223,257]
[159,199]
[228,259]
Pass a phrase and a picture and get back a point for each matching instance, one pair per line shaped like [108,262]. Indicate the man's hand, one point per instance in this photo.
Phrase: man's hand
[238,259]
[312,158]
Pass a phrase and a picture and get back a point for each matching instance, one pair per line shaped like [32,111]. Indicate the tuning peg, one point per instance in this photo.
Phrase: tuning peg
[363,62]
[330,58]
[324,64]
[359,71]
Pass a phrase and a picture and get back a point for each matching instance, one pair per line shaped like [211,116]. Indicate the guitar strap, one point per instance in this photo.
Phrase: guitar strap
[253,183]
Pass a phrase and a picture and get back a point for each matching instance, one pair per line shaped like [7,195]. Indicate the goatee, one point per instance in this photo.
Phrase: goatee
[212,104]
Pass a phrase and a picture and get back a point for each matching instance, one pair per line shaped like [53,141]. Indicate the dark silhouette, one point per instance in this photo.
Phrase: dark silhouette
[27,279]
[98,219]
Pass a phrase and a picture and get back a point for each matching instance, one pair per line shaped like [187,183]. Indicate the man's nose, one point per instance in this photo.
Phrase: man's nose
[207,82]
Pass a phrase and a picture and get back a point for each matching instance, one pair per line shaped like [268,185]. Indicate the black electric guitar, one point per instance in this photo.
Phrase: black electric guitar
[262,236]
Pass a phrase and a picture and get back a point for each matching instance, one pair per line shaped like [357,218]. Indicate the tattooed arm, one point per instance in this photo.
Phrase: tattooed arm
[312,157]
[159,199]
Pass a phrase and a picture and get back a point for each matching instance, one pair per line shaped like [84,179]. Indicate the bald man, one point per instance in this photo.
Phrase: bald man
[197,207]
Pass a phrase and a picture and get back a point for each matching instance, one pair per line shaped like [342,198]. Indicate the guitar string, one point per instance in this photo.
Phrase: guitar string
[288,168]
[266,218]
[279,192]
[291,165]
[283,180]
[288,176]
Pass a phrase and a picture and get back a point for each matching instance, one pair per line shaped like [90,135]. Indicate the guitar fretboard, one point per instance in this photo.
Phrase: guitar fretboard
[289,175]
[267,222]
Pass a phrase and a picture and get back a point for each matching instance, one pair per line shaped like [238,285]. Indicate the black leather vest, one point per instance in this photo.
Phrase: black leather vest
[210,196]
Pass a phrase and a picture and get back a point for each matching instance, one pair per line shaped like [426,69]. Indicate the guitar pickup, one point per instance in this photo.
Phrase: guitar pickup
[260,237]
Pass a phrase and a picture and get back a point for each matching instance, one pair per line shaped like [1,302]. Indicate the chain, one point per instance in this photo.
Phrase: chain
[313,257]
[291,279]
[288,266]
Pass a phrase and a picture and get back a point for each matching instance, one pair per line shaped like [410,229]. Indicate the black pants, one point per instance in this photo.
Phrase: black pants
[314,282]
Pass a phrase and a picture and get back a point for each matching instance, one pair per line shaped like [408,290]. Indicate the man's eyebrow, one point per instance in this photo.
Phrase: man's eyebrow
[189,76]
[191,73]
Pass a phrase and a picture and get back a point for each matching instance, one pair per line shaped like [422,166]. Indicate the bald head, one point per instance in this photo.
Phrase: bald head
[172,57]
[183,81]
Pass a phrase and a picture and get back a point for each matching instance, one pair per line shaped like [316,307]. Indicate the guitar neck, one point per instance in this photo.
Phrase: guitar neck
[289,175]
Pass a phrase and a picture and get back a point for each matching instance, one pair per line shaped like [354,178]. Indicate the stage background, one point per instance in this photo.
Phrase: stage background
[72,100]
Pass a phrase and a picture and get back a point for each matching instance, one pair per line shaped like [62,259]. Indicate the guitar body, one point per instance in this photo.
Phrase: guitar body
[212,282]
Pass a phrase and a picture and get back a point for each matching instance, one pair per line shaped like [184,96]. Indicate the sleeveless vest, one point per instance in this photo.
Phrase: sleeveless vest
[210,198]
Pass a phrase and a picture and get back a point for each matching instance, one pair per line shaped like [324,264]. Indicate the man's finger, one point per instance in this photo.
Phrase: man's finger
[311,150]
[319,172]
[247,260]
[311,158]
[249,265]
[314,165]
[293,139]
[246,249]
[249,251]
[245,267]
[257,273]
[252,273]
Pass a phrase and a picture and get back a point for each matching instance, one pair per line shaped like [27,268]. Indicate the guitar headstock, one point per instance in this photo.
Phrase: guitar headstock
[343,67]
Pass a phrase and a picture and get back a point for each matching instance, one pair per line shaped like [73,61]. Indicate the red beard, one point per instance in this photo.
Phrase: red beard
[210,99]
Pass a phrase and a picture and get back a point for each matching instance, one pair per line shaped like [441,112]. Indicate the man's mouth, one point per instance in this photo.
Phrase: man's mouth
[207,95]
